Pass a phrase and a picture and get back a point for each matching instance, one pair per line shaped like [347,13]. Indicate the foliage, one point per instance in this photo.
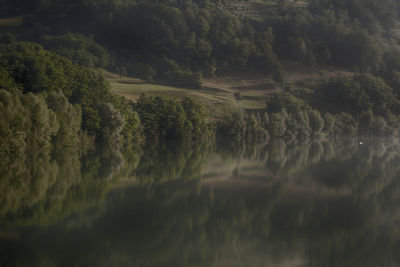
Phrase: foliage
[69,118]
[31,69]
[26,132]
[168,119]
[199,36]
[287,101]
[198,117]
[358,94]
[79,49]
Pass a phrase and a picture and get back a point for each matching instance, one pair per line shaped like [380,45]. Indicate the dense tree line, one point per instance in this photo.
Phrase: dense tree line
[358,105]
[29,69]
[174,41]
[167,118]
[170,41]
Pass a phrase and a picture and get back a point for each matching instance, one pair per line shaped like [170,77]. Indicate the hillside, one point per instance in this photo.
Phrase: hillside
[287,68]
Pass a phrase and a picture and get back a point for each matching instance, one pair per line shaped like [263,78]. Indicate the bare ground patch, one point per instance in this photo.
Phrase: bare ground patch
[240,82]
[258,84]
[298,74]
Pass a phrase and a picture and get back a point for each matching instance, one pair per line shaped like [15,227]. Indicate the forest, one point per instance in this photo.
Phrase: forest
[53,94]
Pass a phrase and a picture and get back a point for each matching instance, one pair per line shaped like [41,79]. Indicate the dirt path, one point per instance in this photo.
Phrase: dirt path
[246,83]
[298,73]
[256,84]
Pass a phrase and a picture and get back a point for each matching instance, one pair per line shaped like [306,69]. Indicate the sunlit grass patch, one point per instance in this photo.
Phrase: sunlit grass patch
[132,88]
[253,103]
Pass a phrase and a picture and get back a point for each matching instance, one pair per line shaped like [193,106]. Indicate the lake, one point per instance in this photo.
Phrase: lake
[328,203]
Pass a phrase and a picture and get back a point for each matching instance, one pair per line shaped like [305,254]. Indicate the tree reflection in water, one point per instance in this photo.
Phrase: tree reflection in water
[304,204]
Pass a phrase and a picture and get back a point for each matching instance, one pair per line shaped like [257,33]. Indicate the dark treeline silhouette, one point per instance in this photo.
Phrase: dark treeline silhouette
[174,41]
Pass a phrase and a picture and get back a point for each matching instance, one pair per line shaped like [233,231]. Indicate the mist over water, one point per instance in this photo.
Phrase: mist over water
[309,203]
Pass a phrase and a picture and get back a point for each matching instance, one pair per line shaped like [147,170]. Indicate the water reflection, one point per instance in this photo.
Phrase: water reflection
[299,204]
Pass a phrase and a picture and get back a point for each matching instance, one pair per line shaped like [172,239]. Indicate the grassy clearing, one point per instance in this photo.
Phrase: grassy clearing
[253,104]
[253,86]
[132,88]
[11,21]
[217,91]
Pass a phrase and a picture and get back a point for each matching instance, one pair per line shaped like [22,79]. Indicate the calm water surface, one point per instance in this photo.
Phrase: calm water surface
[305,204]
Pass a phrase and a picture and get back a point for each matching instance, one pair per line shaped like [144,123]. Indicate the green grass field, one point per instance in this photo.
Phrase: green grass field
[253,104]
[132,88]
